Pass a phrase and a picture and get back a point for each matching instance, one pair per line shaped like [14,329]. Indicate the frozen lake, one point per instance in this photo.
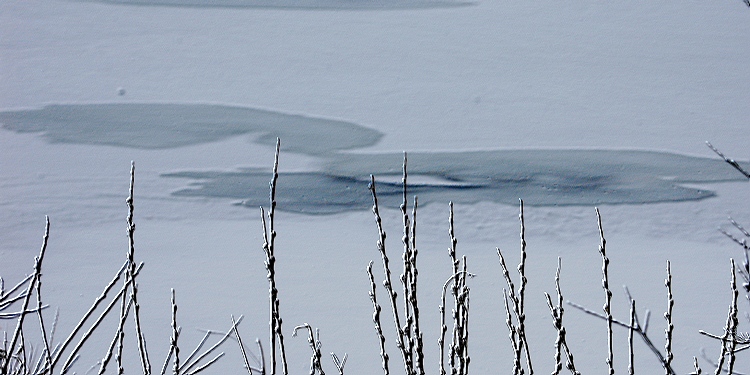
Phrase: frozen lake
[568,106]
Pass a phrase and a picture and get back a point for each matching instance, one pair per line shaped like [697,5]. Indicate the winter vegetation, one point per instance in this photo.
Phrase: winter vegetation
[20,355]
[593,113]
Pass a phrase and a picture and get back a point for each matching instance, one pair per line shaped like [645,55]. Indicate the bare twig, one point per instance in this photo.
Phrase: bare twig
[242,347]
[314,342]
[512,330]
[557,317]
[668,355]
[169,354]
[729,161]
[728,340]
[175,337]
[145,363]
[406,278]
[24,306]
[697,368]
[517,299]
[207,364]
[522,289]
[714,364]
[608,300]
[631,356]
[638,329]
[443,327]
[117,340]
[387,281]
[5,301]
[91,310]
[376,320]
[189,365]
[607,316]
[339,363]
[39,305]
[73,354]
[269,240]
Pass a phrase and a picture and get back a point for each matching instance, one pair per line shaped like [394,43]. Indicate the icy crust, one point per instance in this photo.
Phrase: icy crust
[298,4]
[162,126]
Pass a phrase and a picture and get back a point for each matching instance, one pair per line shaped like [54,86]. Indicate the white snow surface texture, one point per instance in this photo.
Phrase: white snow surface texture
[576,104]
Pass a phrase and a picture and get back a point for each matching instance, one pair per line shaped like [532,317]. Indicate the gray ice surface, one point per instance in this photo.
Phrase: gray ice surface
[298,4]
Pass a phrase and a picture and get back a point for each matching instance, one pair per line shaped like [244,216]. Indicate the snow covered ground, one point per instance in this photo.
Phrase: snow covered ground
[454,86]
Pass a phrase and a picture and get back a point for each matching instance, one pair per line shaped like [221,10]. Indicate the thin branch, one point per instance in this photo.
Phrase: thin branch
[339,363]
[387,283]
[25,304]
[93,307]
[145,363]
[187,366]
[175,337]
[631,356]
[376,320]
[668,317]
[608,300]
[729,161]
[39,301]
[269,240]
[315,345]
[242,347]
[207,364]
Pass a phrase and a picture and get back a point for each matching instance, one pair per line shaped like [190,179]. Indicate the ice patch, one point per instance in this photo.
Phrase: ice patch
[339,183]
[160,126]
[541,177]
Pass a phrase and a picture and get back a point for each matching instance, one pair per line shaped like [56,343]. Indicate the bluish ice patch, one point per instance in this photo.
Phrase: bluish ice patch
[161,126]
[298,4]
[540,177]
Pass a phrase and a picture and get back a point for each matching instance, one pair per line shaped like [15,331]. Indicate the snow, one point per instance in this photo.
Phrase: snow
[542,80]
